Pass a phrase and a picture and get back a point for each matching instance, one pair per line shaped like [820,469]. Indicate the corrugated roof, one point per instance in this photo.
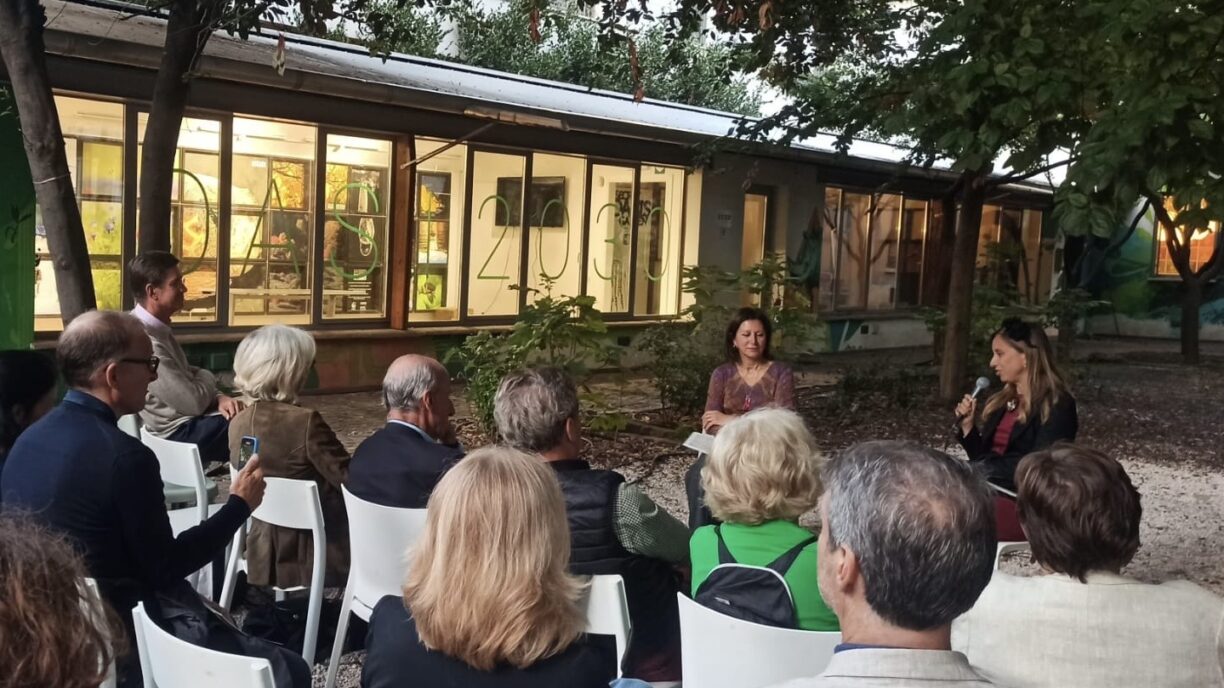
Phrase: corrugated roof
[123,34]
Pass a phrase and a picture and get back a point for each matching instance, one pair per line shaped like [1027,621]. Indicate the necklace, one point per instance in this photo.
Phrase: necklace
[1013,404]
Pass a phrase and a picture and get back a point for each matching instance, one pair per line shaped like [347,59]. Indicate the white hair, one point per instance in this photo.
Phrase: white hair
[272,363]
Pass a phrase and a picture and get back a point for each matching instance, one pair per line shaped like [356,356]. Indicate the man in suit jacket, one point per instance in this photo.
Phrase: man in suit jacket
[1085,625]
[400,464]
[77,472]
[906,545]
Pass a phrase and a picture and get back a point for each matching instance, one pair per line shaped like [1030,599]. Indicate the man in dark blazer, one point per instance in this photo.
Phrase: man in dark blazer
[400,464]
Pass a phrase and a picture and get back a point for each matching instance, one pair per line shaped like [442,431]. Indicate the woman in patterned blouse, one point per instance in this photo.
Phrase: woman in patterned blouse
[750,378]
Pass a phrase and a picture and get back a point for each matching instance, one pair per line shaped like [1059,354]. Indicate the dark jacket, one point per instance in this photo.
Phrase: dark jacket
[81,475]
[399,467]
[650,584]
[295,442]
[395,657]
[1026,438]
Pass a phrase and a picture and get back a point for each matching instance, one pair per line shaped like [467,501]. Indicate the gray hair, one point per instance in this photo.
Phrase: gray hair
[273,362]
[93,340]
[921,525]
[405,387]
[531,407]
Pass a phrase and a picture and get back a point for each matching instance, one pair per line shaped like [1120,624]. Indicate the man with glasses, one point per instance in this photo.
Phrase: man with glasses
[78,473]
[183,402]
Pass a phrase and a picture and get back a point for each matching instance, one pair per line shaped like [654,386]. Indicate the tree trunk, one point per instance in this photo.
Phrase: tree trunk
[187,31]
[1190,319]
[960,289]
[21,46]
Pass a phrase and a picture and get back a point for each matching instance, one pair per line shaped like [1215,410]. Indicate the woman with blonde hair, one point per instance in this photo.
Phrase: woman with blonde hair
[762,475]
[488,599]
[270,369]
[1034,410]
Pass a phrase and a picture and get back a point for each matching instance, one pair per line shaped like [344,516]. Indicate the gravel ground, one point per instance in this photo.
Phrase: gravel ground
[1159,418]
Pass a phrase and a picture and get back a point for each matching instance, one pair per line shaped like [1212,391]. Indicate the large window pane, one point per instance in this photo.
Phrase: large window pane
[93,141]
[195,212]
[496,237]
[1202,244]
[909,260]
[357,205]
[272,222]
[1030,275]
[438,232]
[554,207]
[830,245]
[612,201]
[854,225]
[883,254]
[660,217]
[988,239]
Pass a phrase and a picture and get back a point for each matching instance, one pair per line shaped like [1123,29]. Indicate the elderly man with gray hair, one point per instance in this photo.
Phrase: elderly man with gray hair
[906,545]
[399,465]
[614,527]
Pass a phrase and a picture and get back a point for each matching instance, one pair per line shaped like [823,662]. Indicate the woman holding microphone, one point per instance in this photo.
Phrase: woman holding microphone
[1034,410]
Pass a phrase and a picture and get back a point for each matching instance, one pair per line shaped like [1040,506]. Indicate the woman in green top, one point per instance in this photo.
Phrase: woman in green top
[762,474]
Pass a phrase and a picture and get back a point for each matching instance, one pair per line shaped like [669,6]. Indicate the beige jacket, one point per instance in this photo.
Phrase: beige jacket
[894,668]
[181,391]
[1048,631]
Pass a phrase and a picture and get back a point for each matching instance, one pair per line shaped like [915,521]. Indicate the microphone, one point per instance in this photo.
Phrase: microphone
[979,386]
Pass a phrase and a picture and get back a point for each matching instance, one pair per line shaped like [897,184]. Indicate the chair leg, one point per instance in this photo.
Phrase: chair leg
[316,601]
[342,624]
[231,568]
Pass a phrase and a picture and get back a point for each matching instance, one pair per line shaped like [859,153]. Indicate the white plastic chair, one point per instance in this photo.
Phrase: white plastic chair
[168,662]
[180,465]
[719,651]
[289,504]
[379,539]
[91,601]
[131,424]
[1008,548]
[607,609]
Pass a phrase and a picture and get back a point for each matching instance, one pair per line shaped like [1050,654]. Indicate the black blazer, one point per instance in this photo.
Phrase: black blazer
[395,657]
[1028,437]
[398,467]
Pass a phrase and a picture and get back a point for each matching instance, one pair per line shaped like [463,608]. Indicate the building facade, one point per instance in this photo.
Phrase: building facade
[397,205]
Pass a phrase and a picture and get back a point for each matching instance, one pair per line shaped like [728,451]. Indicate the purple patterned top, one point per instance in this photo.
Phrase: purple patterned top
[729,394]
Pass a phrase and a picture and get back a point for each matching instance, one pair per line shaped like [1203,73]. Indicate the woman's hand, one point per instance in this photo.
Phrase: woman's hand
[713,419]
[966,411]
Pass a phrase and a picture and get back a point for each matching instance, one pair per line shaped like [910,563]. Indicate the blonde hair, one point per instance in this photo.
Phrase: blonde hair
[764,467]
[272,363]
[489,581]
[1046,385]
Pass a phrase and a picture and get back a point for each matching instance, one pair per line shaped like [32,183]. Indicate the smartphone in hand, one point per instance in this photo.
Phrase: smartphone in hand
[248,447]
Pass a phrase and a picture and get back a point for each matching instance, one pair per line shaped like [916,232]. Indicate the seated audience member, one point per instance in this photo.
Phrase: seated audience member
[183,402]
[270,369]
[47,636]
[78,473]
[764,473]
[400,464]
[27,393]
[1084,624]
[614,527]
[488,602]
[906,545]
[750,379]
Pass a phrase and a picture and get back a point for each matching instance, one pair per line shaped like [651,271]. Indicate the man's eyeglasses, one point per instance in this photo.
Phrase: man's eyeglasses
[151,362]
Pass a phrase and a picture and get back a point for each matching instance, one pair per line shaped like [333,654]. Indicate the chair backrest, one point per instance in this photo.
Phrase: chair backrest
[180,464]
[718,651]
[607,611]
[168,662]
[379,539]
[131,424]
[91,602]
[291,503]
